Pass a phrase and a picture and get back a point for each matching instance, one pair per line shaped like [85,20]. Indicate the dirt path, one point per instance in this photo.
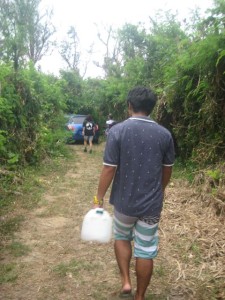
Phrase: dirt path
[190,264]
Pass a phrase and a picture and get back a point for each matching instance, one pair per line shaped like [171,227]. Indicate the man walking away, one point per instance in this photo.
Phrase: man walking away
[138,159]
[88,132]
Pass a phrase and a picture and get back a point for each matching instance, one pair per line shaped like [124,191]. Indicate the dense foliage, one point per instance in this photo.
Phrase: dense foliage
[183,62]
[30,104]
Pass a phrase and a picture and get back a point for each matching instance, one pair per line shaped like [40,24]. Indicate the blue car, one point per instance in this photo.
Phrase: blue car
[75,126]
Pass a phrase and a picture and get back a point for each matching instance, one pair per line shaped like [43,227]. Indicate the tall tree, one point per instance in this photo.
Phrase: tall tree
[39,30]
[24,32]
[69,50]
[71,86]
[112,58]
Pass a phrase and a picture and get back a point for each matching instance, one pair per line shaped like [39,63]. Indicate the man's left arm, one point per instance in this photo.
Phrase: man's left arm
[94,128]
[168,162]
[166,175]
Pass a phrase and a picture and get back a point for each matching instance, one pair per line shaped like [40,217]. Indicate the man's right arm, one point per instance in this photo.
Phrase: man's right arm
[105,180]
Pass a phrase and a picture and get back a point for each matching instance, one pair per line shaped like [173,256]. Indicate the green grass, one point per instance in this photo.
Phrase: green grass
[18,249]
[184,171]
[156,297]
[73,267]
[8,273]
[8,227]
[196,251]
[159,271]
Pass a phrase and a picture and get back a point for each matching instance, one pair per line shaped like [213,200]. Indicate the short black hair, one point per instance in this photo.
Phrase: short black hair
[142,99]
[89,118]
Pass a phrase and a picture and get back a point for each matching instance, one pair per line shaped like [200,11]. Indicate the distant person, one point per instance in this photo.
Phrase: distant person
[88,133]
[138,159]
[109,123]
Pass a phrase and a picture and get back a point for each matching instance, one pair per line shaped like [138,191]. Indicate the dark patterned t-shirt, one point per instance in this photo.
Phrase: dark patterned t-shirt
[139,148]
[88,128]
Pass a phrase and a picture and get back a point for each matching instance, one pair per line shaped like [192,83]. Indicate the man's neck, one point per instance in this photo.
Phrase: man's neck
[139,114]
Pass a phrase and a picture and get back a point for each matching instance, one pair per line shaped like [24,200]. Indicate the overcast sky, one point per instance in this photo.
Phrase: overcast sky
[84,14]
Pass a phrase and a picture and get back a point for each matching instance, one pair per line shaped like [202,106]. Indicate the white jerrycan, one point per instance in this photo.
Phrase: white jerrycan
[97,226]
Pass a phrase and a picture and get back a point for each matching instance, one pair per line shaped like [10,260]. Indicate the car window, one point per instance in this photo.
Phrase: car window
[77,120]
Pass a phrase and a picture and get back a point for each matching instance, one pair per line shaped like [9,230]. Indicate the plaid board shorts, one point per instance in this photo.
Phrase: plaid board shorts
[143,231]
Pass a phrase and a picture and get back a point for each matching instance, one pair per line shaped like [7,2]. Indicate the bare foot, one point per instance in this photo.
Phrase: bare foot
[126,289]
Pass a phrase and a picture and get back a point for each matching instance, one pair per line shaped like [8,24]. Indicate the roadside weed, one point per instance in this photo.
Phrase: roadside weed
[159,271]
[18,249]
[73,267]
[8,273]
[8,227]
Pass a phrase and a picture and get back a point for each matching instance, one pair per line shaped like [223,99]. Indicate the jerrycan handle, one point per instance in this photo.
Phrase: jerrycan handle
[99,211]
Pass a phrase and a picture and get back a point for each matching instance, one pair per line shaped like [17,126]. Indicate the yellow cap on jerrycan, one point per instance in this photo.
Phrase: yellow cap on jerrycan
[97,226]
